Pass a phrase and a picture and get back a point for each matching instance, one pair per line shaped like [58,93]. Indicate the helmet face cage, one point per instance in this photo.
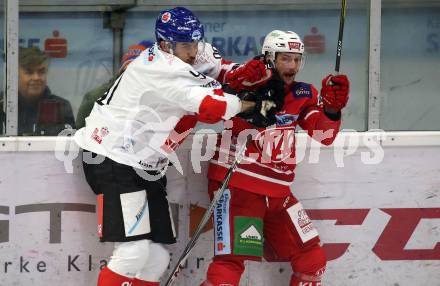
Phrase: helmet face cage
[283,41]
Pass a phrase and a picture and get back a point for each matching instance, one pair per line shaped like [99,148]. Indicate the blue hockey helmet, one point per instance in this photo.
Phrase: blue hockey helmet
[178,25]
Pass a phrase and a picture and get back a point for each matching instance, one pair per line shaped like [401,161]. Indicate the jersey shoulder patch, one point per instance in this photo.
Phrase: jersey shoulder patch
[302,90]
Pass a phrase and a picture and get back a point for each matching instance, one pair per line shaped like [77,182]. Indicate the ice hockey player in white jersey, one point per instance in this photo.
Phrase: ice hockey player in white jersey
[133,129]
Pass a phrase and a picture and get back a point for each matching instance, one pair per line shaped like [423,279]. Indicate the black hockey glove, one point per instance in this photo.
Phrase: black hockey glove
[263,114]
[269,99]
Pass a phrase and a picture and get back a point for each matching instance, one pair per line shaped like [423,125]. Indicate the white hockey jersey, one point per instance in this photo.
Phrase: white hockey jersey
[131,124]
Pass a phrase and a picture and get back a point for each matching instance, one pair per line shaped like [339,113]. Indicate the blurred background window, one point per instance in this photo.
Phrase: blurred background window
[410,68]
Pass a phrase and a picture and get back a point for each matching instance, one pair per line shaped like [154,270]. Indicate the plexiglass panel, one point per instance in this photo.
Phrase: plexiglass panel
[2,69]
[410,64]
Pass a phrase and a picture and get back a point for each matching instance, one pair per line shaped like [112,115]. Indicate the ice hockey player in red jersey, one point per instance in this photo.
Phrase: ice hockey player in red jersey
[258,216]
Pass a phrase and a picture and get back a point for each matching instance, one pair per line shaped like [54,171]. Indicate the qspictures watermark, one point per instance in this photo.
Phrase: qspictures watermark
[289,147]
[149,142]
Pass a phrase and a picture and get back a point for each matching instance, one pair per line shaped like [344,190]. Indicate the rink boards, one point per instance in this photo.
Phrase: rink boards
[379,218]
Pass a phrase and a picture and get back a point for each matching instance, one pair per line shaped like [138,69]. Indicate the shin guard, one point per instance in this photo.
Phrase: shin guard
[138,282]
[308,267]
[224,272]
[109,278]
[305,280]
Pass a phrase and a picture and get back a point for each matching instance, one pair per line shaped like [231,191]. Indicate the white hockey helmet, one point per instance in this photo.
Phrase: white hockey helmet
[282,41]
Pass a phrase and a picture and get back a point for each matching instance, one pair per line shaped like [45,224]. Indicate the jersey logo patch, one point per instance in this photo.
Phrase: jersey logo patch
[135,213]
[212,84]
[98,134]
[251,233]
[302,90]
[221,221]
[302,222]
[286,119]
[150,56]
[248,236]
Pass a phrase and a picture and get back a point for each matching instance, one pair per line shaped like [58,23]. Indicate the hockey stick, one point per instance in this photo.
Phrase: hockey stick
[340,36]
[189,247]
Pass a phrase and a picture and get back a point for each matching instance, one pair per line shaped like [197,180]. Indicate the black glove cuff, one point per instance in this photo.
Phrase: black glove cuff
[333,116]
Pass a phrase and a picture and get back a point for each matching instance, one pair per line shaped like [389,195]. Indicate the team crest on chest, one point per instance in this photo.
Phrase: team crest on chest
[302,90]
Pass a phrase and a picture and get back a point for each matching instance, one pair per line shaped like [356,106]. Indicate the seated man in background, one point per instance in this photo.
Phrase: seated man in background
[39,111]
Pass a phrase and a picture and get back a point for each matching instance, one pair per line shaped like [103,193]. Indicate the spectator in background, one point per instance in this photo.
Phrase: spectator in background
[90,97]
[39,111]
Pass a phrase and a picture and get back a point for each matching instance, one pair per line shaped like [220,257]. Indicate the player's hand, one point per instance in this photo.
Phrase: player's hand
[335,92]
[249,76]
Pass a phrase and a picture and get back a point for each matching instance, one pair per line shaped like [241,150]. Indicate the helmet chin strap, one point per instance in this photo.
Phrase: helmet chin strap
[269,59]
[170,46]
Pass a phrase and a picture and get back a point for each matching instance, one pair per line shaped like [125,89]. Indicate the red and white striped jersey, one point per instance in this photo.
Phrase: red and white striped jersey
[268,166]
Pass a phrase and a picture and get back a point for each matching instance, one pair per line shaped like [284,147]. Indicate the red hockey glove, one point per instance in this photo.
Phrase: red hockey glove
[334,92]
[249,76]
